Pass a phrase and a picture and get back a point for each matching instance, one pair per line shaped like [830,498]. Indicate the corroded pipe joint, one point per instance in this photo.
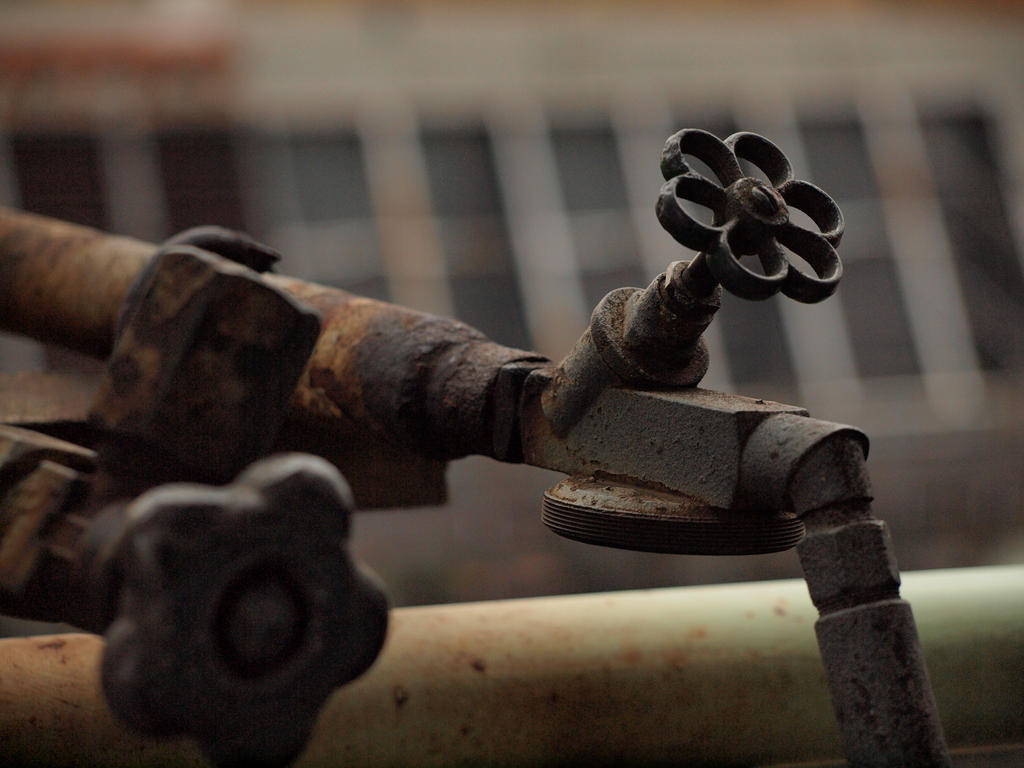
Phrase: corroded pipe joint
[647,338]
[797,463]
[868,640]
[427,384]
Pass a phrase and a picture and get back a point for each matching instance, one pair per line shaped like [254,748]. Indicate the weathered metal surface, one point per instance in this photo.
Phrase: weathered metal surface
[356,376]
[63,283]
[40,477]
[21,450]
[652,338]
[750,218]
[869,645]
[636,337]
[231,613]
[778,450]
[613,514]
[238,608]
[403,376]
[715,676]
[203,370]
[31,398]
[26,508]
[688,441]
[881,694]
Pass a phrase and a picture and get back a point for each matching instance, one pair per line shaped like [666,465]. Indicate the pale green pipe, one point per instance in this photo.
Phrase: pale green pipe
[707,675]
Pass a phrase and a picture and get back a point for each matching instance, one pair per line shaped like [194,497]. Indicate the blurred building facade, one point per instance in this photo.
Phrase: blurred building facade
[500,164]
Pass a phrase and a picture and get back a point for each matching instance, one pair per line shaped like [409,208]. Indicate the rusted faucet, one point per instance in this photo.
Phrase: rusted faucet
[655,462]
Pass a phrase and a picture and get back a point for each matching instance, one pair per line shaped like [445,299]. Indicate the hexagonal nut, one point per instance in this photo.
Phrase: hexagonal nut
[205,364]
[240,610]
[849,562]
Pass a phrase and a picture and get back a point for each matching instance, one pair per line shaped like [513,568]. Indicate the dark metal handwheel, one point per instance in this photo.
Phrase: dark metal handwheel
[751,217]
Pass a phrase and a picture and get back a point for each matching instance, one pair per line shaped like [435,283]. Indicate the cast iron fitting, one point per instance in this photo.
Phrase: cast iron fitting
[647,338]
[796,463]
[431,383]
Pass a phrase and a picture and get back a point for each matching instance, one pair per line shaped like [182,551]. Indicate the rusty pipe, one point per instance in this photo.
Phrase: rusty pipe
[378,371]
[63,283]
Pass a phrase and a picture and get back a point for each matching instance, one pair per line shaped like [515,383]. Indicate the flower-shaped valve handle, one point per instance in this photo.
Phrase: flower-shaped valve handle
[751,217]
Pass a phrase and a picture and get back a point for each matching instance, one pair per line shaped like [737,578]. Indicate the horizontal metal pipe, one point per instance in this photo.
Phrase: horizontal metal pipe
[62,283]
[422,382]
[721,675]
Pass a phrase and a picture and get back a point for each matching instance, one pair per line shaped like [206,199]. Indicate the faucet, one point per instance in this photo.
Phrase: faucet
[199,387]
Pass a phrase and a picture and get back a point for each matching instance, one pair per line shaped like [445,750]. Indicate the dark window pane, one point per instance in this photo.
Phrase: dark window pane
[588,166]
[594,191]
[474,235]
[460,168]
[484,285]
[487,302]
[876,319]
[872,297]
[754,341]
[839,160]
[597,284]
[959,144]
[342,254]
[59,175]
[607,252]
[330,176]
[201,181]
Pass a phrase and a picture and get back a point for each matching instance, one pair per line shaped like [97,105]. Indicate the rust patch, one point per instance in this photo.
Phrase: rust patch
[632,656]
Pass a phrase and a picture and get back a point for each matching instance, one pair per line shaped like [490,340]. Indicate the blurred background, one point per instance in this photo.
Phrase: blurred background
[499,162]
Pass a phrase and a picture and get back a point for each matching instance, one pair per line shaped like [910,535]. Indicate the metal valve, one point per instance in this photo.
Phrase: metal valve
[238,608]
[751,217]
[651,339]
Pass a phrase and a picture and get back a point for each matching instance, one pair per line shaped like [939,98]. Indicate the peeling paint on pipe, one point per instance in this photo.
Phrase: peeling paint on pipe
[720,675]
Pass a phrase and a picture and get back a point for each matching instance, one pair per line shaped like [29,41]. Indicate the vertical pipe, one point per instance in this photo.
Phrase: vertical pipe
[874,666]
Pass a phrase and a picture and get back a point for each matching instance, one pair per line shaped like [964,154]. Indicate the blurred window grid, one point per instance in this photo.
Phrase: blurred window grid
[467,204]
[305,190]
[308,190]
[314,196]
[594,191]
